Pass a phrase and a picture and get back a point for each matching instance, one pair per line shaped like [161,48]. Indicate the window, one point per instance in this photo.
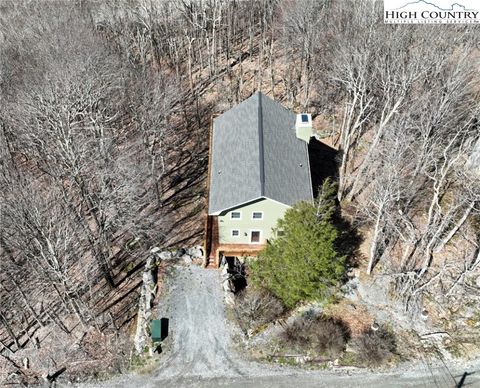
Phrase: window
[235,215]
[257,215]
[235,233]
[304,118]
[255,236]
[280,233]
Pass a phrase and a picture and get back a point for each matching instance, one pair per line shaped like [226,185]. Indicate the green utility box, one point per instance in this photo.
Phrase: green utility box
[156,330]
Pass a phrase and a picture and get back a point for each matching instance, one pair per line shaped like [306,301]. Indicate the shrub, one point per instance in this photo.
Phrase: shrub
[296,333]
[320,334]
[255,307]
[375,347]
[304,263]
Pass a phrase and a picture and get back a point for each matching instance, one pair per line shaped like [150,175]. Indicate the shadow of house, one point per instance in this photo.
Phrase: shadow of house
[323,164]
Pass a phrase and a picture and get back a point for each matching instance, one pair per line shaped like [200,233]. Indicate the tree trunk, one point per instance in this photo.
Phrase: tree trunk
[376,234]
[455,229]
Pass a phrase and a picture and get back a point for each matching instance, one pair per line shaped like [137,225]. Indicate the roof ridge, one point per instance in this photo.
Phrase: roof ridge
[274,165]
[260,144]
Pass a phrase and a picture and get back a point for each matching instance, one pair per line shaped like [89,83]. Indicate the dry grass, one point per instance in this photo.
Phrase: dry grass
[320,335]
[355,316]
[255,308]
[375,348]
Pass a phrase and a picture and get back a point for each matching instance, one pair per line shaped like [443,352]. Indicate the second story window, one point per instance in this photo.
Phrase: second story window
[235,215]
[257,215]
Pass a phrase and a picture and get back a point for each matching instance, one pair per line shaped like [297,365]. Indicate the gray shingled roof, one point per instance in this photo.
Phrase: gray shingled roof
[255,153]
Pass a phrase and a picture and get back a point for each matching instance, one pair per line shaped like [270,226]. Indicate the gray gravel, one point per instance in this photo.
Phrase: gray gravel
[200,352]
[201,334]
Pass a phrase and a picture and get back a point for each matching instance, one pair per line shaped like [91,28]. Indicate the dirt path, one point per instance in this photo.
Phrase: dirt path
[199,351]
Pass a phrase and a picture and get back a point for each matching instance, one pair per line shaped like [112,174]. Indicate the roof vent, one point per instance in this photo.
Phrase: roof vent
[303,126]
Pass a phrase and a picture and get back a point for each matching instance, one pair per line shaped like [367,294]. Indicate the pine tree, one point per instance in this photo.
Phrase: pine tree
[303,264]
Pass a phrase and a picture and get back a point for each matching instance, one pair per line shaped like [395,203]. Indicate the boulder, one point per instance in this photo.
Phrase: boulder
[155,250]
[229,299]
[302,359]
[147,295]
[178,253]
[227,286]
[165,255]
[224,272]
[195,252]
[349,289]
[186,259]
[311,311]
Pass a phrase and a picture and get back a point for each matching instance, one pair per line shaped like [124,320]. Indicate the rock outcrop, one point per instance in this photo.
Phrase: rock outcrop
[147,296]
[187,256]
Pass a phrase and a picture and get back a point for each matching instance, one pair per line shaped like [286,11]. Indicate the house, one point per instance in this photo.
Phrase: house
[259,167]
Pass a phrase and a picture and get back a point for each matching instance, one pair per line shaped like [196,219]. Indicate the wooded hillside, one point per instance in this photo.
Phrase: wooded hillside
[104,117]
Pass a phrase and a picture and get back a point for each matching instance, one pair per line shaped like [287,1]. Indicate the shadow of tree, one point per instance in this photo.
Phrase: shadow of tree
[183,205]
[348,241]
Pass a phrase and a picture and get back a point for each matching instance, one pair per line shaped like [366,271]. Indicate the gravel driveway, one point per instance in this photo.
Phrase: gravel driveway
[201,334]
[199,351]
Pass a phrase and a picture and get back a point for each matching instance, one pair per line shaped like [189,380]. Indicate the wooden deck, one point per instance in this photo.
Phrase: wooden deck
[214,249]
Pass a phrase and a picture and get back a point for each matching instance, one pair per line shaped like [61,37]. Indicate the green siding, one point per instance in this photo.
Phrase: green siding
[272,211]
[304,133]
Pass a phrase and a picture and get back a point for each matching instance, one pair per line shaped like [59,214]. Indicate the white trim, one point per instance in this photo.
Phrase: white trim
[217,213]
[234,218]
[257,211]
[280,203]
[259,238]
[235,230]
